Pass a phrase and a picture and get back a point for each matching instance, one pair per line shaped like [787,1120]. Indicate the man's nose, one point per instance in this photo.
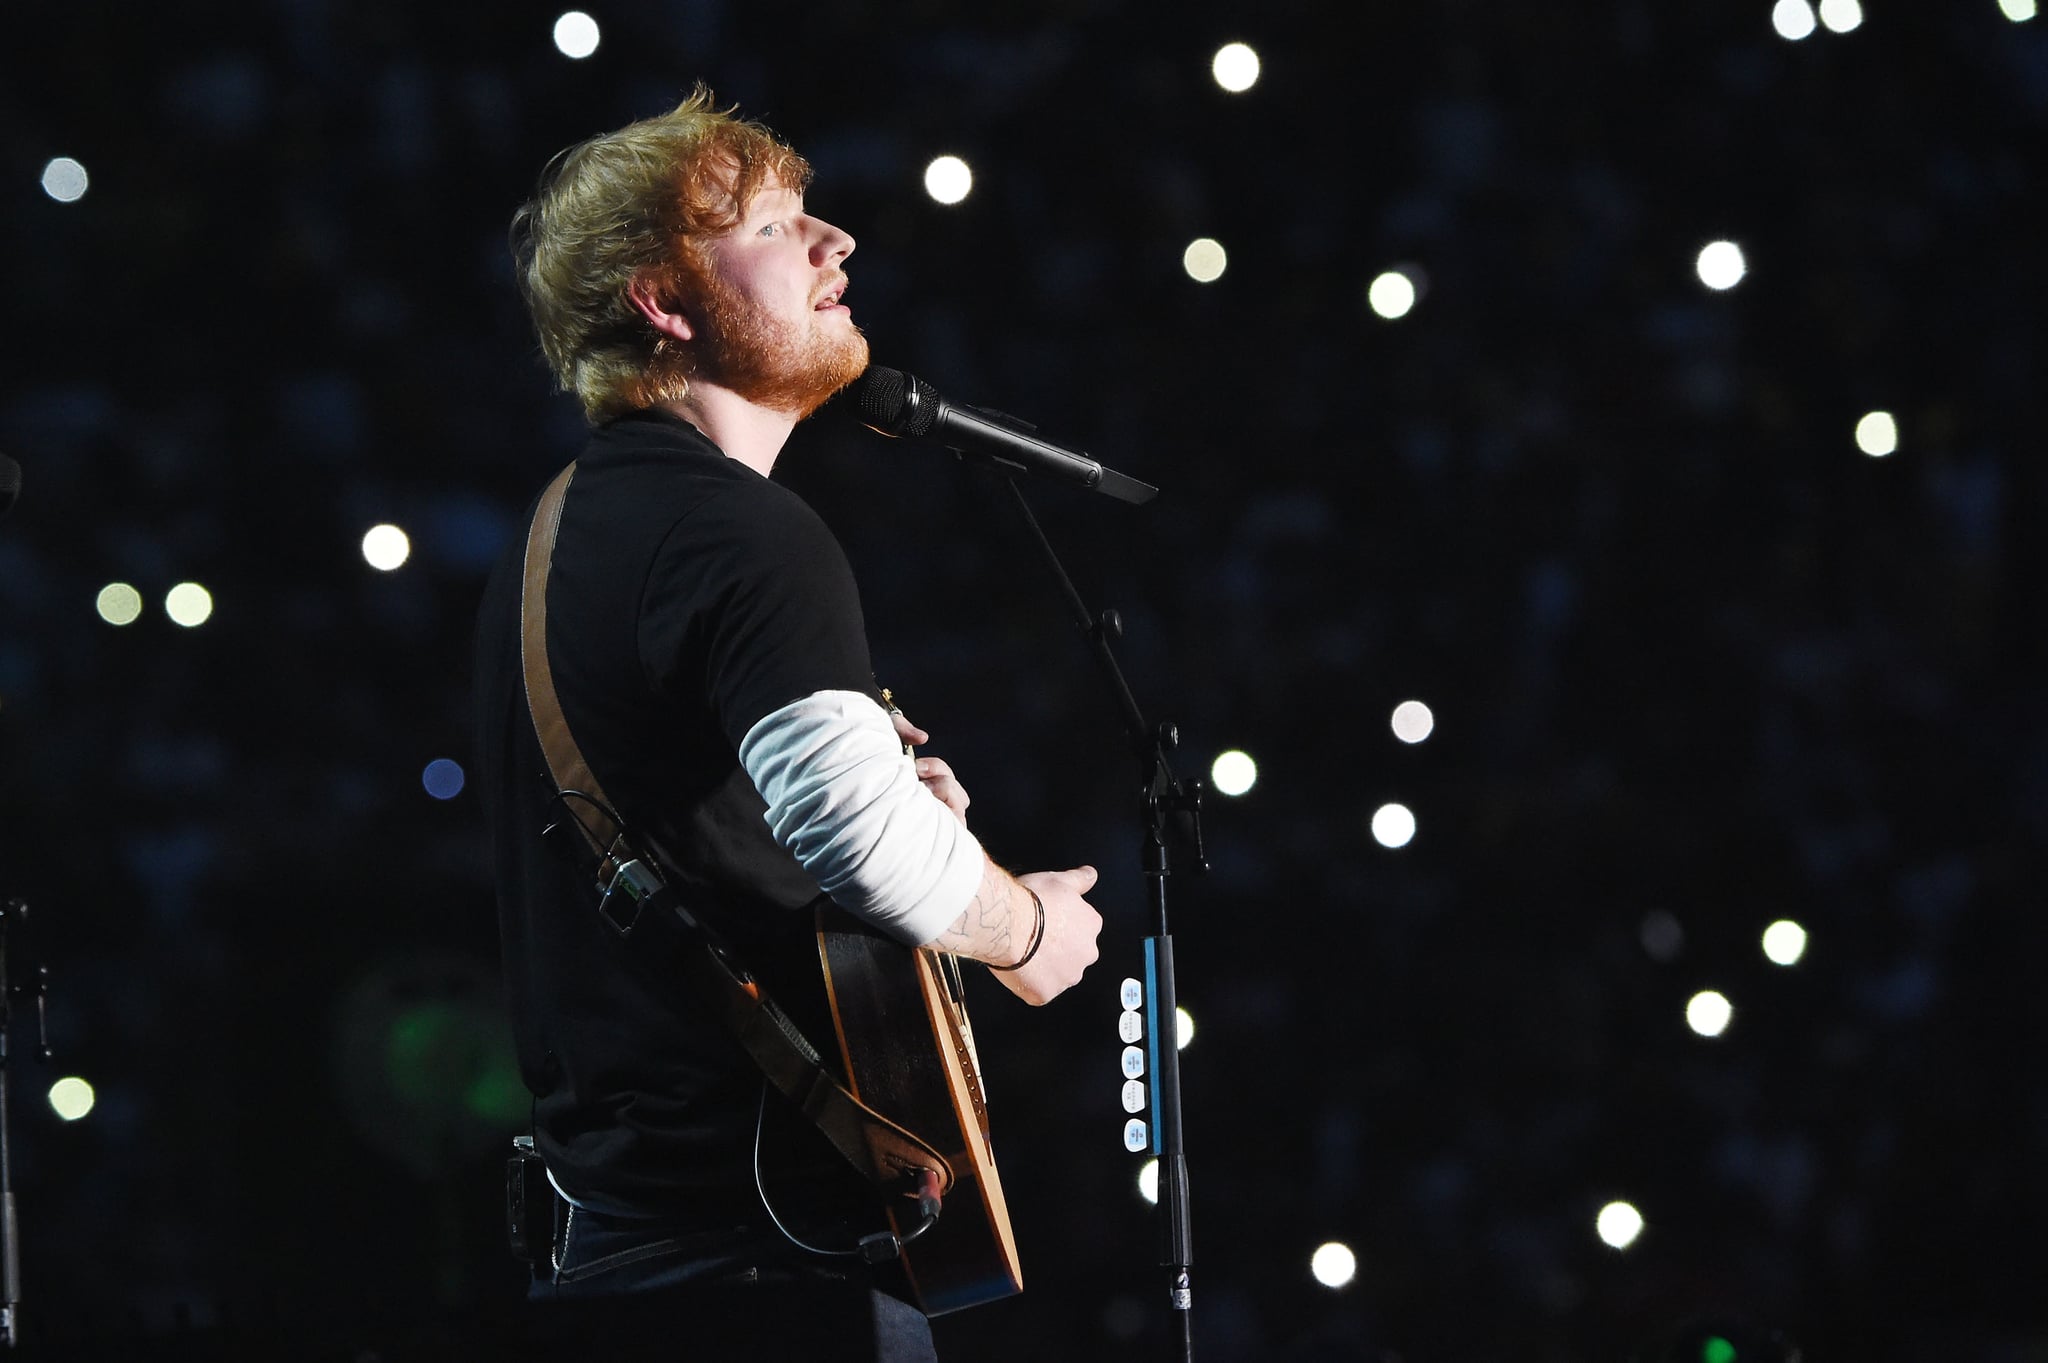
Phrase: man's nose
[831,244]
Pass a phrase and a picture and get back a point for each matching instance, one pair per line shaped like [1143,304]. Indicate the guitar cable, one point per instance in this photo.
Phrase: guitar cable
[878,1248]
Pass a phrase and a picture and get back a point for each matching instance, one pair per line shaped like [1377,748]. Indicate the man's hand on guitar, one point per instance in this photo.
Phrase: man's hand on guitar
[932,772]
[1071,927]
[1001,925]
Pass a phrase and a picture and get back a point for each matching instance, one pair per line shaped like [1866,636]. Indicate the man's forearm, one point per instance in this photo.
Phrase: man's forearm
[997,924]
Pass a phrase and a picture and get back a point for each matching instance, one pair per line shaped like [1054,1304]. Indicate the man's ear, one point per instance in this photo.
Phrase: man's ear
[644,292]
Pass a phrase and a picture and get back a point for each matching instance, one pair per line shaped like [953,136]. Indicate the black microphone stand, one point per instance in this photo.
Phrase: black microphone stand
[12,913]
[1170,812]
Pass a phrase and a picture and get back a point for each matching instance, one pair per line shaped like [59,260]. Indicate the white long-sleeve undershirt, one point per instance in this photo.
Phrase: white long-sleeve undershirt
[844,798]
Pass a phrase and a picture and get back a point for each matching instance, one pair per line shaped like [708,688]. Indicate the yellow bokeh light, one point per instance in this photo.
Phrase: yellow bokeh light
[1877,434]
[189,604]
[948,179]
[1392,295]
[386,547]
[1233,772]
[1619,1224]
[576,35]
[1236,67]
[1784,942]
[1709,1012]
[1204,260]
[71,1098]
[119,604]
[1333,1265]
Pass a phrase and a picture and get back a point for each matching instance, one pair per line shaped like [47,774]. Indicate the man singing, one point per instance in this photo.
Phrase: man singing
[706,644]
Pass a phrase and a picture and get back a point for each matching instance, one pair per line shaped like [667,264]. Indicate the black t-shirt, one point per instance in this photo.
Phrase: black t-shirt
[689,597]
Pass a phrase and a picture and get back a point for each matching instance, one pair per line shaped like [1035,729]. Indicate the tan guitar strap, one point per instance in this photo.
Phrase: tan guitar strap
[885,1152]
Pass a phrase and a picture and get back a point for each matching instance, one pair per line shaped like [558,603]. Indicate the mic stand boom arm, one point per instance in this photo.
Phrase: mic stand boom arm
[1170,812]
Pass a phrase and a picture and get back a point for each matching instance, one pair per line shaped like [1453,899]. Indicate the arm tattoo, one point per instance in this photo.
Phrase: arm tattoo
[983,932]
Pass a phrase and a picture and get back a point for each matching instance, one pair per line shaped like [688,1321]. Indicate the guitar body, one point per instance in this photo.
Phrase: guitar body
[908,1053]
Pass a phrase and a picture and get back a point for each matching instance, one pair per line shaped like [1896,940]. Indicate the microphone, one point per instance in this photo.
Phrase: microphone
[896,404]
[10,484]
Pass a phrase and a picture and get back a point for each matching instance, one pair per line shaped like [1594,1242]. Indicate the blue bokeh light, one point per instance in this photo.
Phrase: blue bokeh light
[443,778]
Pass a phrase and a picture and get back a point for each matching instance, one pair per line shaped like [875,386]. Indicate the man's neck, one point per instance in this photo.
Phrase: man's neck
[750,433]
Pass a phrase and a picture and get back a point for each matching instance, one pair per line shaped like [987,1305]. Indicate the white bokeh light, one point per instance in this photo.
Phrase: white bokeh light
[1333,1264]
[576,34]
[1204,260]
[386,547]
[1236,67]
[65,180]
[1784,942]
[71,1098]
[1183,1028]
[1393,825]
[1877,434]
[2019,11]
[1413,721]
[1841,16]
[1233,772]
[1721,265]
[1618,1224]
[189,604]
[1709,1012]
[119,604]
[948,179]
[1793,19]
[1392,295]
[1148,1180]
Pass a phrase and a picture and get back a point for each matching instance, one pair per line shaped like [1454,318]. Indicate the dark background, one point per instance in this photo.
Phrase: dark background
[1695,659]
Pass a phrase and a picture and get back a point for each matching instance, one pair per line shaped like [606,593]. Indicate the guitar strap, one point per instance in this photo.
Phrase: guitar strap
[886,1153]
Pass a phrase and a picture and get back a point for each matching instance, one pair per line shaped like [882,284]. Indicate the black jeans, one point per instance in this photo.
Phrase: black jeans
[640,1289]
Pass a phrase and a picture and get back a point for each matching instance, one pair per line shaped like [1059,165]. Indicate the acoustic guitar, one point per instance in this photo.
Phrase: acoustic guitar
[908,1050]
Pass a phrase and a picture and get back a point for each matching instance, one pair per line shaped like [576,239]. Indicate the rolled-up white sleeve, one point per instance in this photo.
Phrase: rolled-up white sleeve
[844,798]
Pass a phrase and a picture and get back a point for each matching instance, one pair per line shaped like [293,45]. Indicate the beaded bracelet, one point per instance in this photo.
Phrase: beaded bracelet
[1037,934]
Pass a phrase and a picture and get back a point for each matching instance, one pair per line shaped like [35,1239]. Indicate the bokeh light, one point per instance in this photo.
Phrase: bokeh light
[1784,942]
[1877,434]
[1333,1264]
[65,180]
[1413,721]
[1709,1012]
[1204,260]
[1618,1224]
[576,34]
[1662,935]
[2019,11]
[119,604]
[71,1098]
[1721,265]
[948,179]
[443,778]
[1793,19]
[1393,825]
[1391,295]
[189,604]
[1233,772]
[1841,16]
[1183,1028]
[386,547]
[1148,1180]
[1236,67]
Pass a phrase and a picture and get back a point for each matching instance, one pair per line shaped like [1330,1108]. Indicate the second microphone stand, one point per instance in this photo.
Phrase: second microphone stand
[1170,812]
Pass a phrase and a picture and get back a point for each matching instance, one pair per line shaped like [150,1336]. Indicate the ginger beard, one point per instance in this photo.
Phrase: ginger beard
[769,361]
